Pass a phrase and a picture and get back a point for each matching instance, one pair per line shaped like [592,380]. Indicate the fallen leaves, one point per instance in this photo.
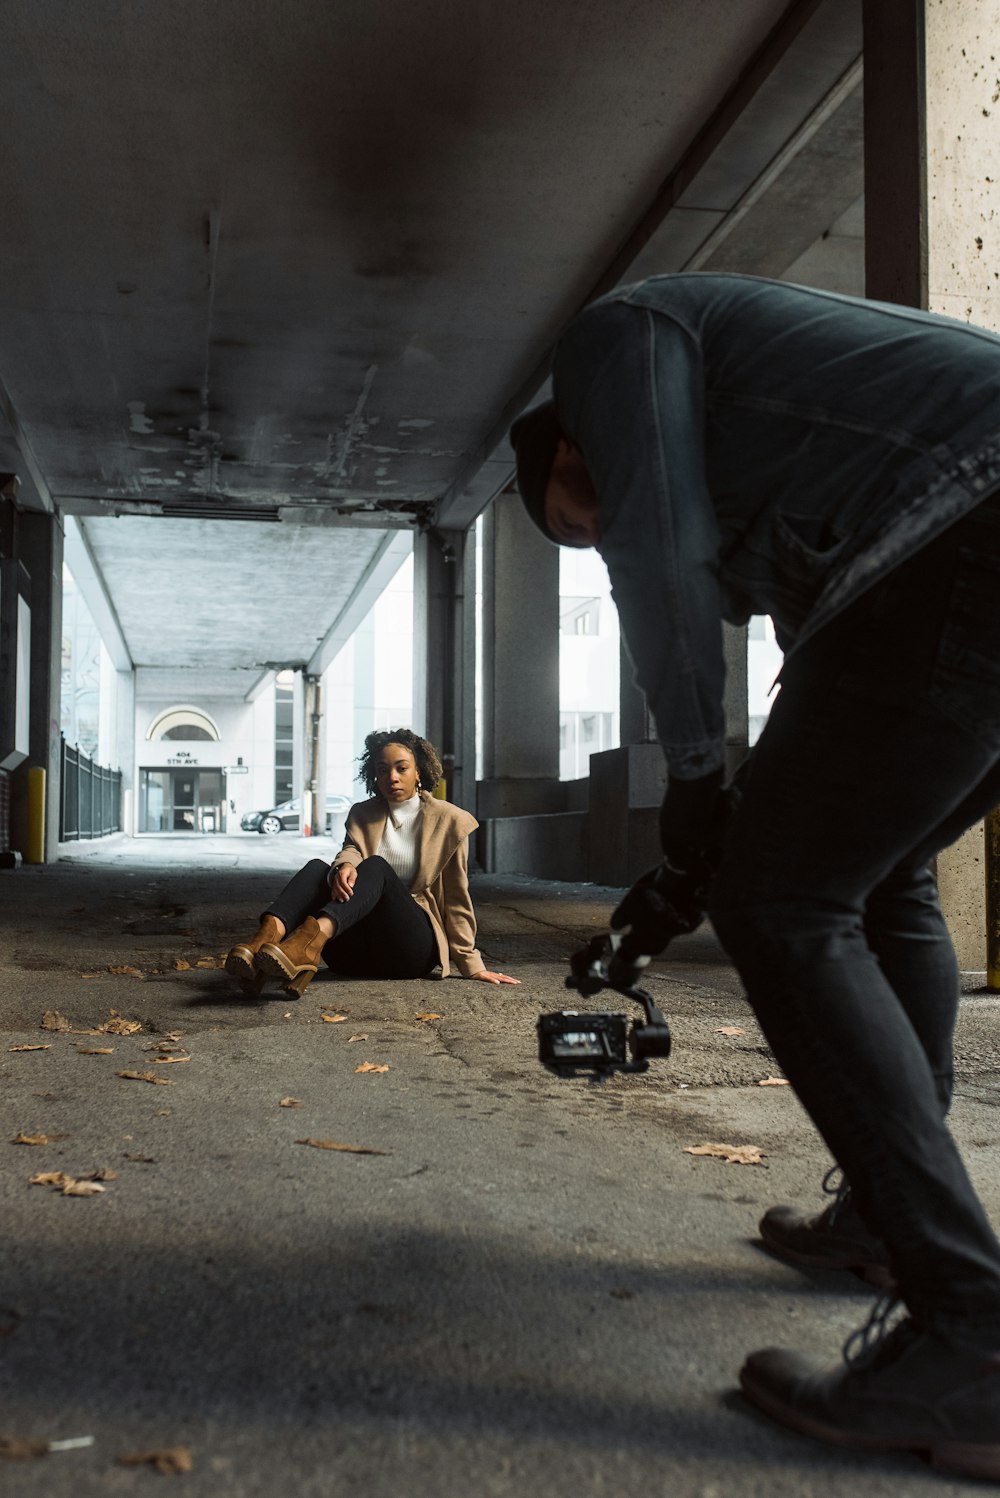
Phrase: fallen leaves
[730,1030]
[290,1102]
[125,970]
[37,1138]
[370,1066]
[170,1460]
[334,1019]
[426,1018]
[352,1038]
[180,966]
[347,1149]
[145,1076]
[29,1047]
[53,1020]
[212,962]
[169,1060]
[774,1082]
[733,1154]
[118,1026]
[95,1050]
[68,1185]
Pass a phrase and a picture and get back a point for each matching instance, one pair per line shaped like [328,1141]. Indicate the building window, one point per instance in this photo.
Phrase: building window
[183,723]
[284,733]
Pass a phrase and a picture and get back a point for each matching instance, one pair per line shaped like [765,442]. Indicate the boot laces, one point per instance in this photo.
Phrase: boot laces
[835,1184]
[866,1342]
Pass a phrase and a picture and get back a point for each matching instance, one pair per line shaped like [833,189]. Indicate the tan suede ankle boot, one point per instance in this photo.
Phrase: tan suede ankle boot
[240,960]
[296,959]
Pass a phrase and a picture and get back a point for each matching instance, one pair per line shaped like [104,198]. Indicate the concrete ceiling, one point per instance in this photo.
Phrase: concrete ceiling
[297,263]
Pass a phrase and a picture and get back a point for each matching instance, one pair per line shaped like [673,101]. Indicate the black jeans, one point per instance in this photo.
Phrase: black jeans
[381,932]
[883,745]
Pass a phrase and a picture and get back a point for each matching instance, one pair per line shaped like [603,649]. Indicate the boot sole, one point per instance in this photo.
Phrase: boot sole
[271,962]
[240,965]
[961,1458]
[879,1276]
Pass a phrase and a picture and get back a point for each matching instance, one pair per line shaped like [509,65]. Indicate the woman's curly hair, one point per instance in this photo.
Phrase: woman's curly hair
[426,756]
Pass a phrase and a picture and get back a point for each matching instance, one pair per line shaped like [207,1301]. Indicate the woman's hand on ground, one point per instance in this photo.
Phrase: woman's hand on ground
[489,977]
[342,882]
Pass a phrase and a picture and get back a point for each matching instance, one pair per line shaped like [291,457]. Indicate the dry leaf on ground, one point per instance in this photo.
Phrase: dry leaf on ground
[118,1026]
[29,1047]
[169,1460]
[168,1060]
[139,1159]
[50,1178]
[53,1020]
[125,969]
[734,1154]
[351,1038]
[15,1449]
[180,966]
[773,1082]
[730,1030]
[347,1149]
[210,962]
[82,1188]
[145,1076]
[95,1050]
[289,1102]
[334,1019]
[91,975]
[172,1034]
[37,1138]
[370,1066]
[425,1018]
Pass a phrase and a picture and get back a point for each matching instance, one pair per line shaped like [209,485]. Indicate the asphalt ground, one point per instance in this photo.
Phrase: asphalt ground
[528,1288]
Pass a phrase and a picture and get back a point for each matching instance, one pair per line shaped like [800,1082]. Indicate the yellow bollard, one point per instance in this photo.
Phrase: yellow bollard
[993,901]
[440,792]
[35,850]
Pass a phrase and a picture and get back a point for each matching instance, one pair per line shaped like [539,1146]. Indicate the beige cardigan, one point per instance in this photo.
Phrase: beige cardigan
[441,883]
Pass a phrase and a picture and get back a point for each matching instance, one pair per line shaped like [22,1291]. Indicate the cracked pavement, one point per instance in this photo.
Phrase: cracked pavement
[531,1290]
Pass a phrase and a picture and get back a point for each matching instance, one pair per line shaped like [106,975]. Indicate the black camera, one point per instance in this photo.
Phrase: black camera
[571,1041]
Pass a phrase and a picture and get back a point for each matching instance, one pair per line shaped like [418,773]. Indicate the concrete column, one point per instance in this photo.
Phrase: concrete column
[444,651]
[40,549]
[124,752]
[932,234]
[520,666]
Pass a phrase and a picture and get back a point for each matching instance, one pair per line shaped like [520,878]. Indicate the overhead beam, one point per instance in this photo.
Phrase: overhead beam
[26,450]
[382,568]
[79,557]
[260,686]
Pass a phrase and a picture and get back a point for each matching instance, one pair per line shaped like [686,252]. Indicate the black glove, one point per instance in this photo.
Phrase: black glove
[693,820]
[660,905]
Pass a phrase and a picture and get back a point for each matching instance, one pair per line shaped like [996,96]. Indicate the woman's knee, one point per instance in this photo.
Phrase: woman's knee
[316,866]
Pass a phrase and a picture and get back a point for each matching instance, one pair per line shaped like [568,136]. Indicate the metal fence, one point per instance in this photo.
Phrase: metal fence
[90,797]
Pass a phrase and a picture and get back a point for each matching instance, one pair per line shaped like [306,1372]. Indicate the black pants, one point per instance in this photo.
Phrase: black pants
[883,745]
[381,932]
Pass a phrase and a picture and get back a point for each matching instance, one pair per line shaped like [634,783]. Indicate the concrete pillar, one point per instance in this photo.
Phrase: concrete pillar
[40,550]
[932,234]
[123,755]
[520,665]
[444,655]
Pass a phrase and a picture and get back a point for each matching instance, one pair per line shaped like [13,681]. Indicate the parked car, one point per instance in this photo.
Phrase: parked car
[288,816]
[250,820]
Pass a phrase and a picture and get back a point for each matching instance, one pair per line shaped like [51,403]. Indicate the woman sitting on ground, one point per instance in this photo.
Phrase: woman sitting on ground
[395,902]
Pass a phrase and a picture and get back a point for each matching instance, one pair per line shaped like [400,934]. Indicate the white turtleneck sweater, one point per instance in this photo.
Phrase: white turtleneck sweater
[399,840]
